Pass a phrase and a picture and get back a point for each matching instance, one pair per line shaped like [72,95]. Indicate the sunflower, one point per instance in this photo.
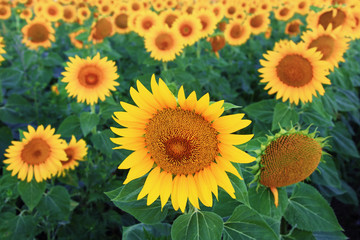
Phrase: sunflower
[302,7]
[75,151]
[237,33]
[145,21]
[258,22]
[331,43]
[101,29]
[105,8]
[284,13]
[287,158]
[186,145]
[26,14]
[38,154]
[189,27]
[77,43]
[168,17]
[5,12]
[164,43]
[69,14]
[218,10]
[231,8]
[121,22]
[217,43]
[294,72]
[135,6]
[2,50]
[354,31]
[208,21]
[281,44]
[293,28]
[53,11]
[83,13]
[90,79]
[38,33]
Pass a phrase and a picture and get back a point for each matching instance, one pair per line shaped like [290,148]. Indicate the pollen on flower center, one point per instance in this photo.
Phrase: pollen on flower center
[181,141]
[35,151]
[294,70]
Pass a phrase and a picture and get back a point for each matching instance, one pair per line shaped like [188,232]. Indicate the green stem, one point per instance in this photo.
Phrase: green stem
[4,29]
[191,209]
[165,66]
[17,23]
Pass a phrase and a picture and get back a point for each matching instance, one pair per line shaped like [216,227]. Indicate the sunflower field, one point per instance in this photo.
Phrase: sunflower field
[180,119]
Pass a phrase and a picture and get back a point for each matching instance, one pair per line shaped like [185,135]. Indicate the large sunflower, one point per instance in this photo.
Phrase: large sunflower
[163,43]
[38,33]
[38,154]
[331,43]
[90,79]
[237,33]
[75,151]
[294,72]
[185,145]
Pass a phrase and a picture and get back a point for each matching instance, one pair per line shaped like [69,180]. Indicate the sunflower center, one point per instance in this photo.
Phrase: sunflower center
[294,28]
[3,11]
[256,21]
[103,29]
[68,14]
[135,6]
[36,151]
[326,18]
[204,23]
[284,12]
[52,11]
[231,10]
[181,141]
[324,44]
[185,30]
[294,70]
[121,21]
[302,5]
[89,76]
[170,19]
[38,33]
[164,41]
[147,24]
[236,31]
[69,154]
[105,8]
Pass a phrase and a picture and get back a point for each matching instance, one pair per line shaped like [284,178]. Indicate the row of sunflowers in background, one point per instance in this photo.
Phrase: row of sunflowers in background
[179,149]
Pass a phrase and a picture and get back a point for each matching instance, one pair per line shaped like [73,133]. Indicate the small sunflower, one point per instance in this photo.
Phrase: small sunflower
[121,22]
[208,21]
[5,12]
[218,10]
[83,13]
[217,43]
[163,43]
[38,33]
[145,21]
[231,8]
[90,79]
[237,33]
[189,28]
[293,28]
[287,158]
[294,72]
[168,17]
[53,11]
[185,145]
[101,29]
[75,151]
[302,7]
[284,13]
[38,154]
[69,14]
[26,14]
[259,22]
[331,43]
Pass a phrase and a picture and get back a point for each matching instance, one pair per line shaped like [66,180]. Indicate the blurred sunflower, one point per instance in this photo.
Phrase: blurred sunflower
[331,43]
[5,11]
[164,43]
[135,6]
[294,72]
[69,14]
[101,29]
[145,21]
[339,17]
[354,30]
[259,22]
[284,13]
[217,43]
[105,8]
[237,33]
[302,7]
[38,33]
[75,151]
[38,154]
[53,11]
[168,17]
[208,21]
[83,13]
[231,8]
[2,50]
[293,28]
[26,14]
[218,10]
[186,145]
[189,27]
[90,79]
[121,22]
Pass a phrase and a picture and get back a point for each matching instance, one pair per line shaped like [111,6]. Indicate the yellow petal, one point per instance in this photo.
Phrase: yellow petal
[135,111]
[155,190]
[143,102]
[181,97]
[166,94]
[230,123]
[203,190]
[183,191]
[30,173]
[222,179]
[214,111]
[38,177]
[193,192]
[226,165]
[191,101]
[203,104]
[127,132]
[133,159]
[149,182]
[174,193]
[23,171]
[234,154]
[139,170]
[166,188]
[234,139]
[210,179]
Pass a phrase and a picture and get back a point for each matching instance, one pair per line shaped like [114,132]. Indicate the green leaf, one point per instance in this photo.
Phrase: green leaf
[11,77]
[5,139]
[55,204]
[144,231]
[125,198]
[31,192]
[53,59]
[70,126]
[285,116]
[347,100]
[327,175]
[246,223]
[262,110]
[342,141]
[29,57]
[22,227]
[197,225]
[329,235]
[101,141]
[228,106]
[262,200]
[309,211]
[311,116]
[88,121]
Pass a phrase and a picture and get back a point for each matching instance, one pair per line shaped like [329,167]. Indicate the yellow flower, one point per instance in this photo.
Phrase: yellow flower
[38,154]
[208,21]
[189,28]
[90,79]
[121,22]
[53,11]
[237,33]
[69,14]
[293,28]
[294,72]
[145,22]
[259,22]
[38,33]
[5,11]
[185,145]
[101,29]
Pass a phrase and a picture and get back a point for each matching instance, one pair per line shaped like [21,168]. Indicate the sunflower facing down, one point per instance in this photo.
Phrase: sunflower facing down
[38,33]
[90,79]
[75,151]
[294,72]
[184,144]
[38,154]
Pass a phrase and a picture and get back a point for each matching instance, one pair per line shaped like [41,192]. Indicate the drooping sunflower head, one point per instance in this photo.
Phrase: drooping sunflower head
[90,79]
[217,43]
[184,144]
[75,151]
[294,72]
[287,158]
[38,154]
[38,33]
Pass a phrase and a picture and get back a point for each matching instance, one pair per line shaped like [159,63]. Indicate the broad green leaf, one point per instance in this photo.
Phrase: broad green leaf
[197,225]
[88,121]
[125,198]
[31,192]
[70,126]
[309,211]
[142,231]
[262,200]
[28,58]
[347,100]
[101,141]
[342,141]
[241,191]
[298,234]
[11,77]
[285,116]
[226,204]
[22,227]
[349,196]
[55,204]
[53,59]
[246,223]
[5,139]
[338,235]
[327,175]
[262,110]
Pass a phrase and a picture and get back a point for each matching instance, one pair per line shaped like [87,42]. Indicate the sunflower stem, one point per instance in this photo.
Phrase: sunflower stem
[17,23]
[198,49]
[165,66]
[191,209]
